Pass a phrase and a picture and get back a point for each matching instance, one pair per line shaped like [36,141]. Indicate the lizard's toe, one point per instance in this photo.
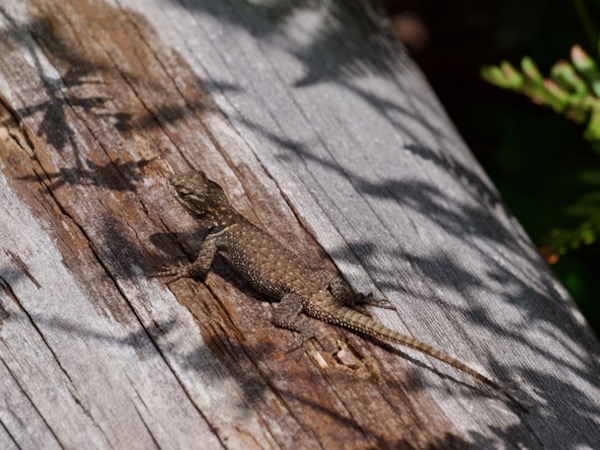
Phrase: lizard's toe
[175,271]
[377,302]
[300,339]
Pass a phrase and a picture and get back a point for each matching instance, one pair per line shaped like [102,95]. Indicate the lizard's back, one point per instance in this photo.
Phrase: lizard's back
[264,262]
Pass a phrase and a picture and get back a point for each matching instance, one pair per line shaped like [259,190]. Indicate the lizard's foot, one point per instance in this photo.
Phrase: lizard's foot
[344,293]
[359,301]
[300,339]
[372,301]
[174,271]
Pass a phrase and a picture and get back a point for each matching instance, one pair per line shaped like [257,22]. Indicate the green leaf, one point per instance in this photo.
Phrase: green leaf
[511,75]
[531,71]
[564,74]
[592,132]
[588,236]
[586,66]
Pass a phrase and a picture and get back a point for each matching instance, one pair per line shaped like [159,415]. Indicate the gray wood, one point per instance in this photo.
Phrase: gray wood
[321,130]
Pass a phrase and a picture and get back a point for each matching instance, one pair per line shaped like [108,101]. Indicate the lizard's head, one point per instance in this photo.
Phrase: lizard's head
[203,198]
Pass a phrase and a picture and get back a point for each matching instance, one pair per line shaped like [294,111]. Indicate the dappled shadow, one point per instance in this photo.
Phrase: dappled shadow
[334,51]
[541,306]
[77,82]
[473,219]
[241,360]
[337,53]
[54,126]
[124,252]
[220,268]
[115,175]
[345,44]
[469,179]
[449,441]
[137,340]
[166,114]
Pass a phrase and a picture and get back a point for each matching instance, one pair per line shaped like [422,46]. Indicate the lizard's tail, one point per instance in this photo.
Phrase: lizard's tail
[349,318]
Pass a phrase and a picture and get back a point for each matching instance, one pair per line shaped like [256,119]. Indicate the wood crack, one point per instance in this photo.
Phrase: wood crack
[18,121]
[7,430]
[21,264]
[32,403]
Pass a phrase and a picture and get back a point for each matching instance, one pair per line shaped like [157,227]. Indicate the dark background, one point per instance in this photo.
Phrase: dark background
[535,157]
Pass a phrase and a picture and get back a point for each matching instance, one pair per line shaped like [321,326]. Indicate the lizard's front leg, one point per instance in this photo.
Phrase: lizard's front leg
[198,268]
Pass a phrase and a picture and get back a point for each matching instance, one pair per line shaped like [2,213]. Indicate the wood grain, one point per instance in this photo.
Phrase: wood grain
[322,131]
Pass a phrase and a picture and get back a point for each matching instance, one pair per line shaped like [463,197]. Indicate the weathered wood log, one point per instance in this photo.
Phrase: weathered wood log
[323,132]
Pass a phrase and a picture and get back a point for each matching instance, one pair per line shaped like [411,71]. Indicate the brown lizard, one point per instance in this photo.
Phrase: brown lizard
[273,269]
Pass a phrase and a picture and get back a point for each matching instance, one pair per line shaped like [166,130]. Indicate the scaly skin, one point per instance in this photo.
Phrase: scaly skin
[273,269]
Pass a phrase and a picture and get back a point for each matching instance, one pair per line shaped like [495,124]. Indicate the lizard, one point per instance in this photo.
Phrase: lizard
[273,269]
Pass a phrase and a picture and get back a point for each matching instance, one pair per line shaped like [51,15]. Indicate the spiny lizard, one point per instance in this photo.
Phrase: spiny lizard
[273,269]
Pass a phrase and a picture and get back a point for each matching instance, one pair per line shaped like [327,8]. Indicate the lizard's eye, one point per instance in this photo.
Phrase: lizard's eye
[184,193]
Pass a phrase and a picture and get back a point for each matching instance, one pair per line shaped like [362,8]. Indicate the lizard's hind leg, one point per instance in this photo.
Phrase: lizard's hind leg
[369,300]
[288,315]
[342,292]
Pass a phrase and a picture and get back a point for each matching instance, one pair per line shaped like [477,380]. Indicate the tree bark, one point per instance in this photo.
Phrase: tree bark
[322,131]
